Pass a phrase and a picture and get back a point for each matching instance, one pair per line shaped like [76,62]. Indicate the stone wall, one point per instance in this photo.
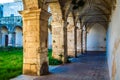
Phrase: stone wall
[113,44]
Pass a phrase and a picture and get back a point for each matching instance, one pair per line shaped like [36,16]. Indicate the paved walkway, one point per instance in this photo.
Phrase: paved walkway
[90,66]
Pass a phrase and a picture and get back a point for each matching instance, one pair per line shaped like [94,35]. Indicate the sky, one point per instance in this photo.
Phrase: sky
[6,1]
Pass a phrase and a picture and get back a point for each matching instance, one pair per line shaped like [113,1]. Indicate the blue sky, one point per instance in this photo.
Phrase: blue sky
[6,1]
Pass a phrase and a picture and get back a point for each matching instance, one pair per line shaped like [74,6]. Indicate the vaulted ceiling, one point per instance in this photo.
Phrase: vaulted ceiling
[88,12]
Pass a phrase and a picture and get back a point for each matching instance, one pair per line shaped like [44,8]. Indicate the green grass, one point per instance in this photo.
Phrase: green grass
[53,61]
[11,62]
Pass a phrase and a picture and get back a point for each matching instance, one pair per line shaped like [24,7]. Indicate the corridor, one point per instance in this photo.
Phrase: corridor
[89,66]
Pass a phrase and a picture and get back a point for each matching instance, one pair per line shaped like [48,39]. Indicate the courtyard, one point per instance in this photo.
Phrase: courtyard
[61,40]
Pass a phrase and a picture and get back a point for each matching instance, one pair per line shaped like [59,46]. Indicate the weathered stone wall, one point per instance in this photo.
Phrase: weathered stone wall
[113,44]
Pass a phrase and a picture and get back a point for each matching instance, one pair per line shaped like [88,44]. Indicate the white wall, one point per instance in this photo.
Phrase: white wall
[96,38]
[113,44]
[18,37]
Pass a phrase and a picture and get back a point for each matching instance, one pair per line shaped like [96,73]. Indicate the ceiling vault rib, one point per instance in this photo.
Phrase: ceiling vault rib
[88,11]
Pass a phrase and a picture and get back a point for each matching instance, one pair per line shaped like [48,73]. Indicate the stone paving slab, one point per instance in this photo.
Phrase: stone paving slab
[90,66]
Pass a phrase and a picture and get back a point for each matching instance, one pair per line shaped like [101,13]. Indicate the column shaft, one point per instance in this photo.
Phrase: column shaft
[35,38]
[65,42]
[75,40]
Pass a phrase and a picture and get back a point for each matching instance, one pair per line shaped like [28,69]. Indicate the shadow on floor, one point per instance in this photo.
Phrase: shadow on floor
[89,66]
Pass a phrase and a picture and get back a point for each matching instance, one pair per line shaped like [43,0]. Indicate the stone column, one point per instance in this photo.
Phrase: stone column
[78,39]
[10,35]
[35,38]
[57,31]
[86,39]
[70,37]
[65,42]
[83,39]
[75,42]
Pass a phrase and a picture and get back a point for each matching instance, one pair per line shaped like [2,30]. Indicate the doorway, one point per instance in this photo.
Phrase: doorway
[6,40]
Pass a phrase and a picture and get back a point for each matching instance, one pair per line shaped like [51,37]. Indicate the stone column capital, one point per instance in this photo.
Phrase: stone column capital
[43,14]
[30,14]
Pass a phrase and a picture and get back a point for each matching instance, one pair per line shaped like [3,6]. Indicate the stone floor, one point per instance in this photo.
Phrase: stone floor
[89,66]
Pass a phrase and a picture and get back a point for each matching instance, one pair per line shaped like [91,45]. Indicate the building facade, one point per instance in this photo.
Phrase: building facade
[11,24]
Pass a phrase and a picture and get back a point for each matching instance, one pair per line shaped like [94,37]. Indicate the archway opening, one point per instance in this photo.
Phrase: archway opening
[4,32]
[96,38]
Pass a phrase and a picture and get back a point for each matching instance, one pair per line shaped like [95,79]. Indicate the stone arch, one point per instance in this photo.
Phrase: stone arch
[18,36]
[4,27]
[16,26]
[89,26]
[4,36]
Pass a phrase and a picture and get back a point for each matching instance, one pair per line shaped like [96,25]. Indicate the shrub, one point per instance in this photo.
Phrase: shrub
[53,61]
